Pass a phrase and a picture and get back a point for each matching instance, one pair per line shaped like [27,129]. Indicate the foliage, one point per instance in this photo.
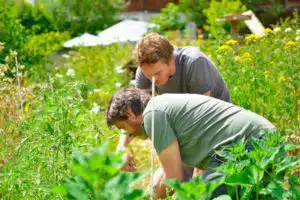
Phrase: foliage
[12,92]
[263,75]
[12,32]
[175,16]
[96,175]
[35,18]
[39,47]
[100,67]
[261,173]
[276,7]
[84,16]
[170,18]
[195,189]
[217,9]
[193,10]
[59,114]
[54,122]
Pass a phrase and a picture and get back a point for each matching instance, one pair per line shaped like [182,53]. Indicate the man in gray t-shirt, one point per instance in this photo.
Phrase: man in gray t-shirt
[195,73]
[176,70]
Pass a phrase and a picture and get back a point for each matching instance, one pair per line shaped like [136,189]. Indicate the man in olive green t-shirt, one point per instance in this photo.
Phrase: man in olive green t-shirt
[188,127]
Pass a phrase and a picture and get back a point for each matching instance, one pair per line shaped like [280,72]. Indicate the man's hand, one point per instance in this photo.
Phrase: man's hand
[129,165]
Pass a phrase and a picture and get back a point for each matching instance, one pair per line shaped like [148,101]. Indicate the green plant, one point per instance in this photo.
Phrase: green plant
[193,10]
[217,9]
[84,16]
[39,47]
[261,173]
[96,175]
[12,32]
[171,18]
[35,18]
[101,67]
[195,189]
[55,121]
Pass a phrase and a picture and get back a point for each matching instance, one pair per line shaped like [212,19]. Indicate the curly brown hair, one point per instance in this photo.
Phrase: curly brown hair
[123,99]
[153,48]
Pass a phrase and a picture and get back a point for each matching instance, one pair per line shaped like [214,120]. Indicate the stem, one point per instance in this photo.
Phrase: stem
[236,193]
[256,195]
[19,87]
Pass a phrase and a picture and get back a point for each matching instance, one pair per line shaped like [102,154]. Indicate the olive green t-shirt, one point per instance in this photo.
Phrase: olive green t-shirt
[200,124]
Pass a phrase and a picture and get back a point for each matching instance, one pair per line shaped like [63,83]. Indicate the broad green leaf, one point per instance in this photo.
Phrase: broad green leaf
[77,191]
[246,192]
[60,189]
[121,186]
[289,147]
[250,176]
[287,162]
[266,161]
[275,189]
[227,155]
[173,183]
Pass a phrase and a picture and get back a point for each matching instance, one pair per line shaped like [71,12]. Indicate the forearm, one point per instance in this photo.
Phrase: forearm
[160,189]
[123,142]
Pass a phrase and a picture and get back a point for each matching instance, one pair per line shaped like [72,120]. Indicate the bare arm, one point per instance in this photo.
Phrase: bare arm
[123,142]
[129,165]
[171,162]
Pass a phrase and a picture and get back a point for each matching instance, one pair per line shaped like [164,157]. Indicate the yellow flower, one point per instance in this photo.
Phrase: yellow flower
[237,58]
[268,31]
[231,42]
[281,79]
[224,49]
[252,38]
[290,44]
[267,73]
[245,57]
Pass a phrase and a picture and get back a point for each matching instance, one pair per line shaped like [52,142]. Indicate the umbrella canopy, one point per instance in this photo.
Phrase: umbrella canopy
[125,31]
[84,40]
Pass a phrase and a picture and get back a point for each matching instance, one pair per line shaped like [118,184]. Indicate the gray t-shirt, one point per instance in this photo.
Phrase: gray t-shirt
[195,73]
[200,124]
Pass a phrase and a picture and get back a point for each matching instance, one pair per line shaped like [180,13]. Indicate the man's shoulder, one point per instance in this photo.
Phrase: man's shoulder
[189,53]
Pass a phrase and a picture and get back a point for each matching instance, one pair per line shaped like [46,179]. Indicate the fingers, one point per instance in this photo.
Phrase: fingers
[130,164]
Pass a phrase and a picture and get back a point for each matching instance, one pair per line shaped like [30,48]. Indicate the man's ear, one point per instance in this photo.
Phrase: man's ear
[130,114]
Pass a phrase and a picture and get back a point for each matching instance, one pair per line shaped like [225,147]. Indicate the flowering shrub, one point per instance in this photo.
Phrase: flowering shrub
[262,74]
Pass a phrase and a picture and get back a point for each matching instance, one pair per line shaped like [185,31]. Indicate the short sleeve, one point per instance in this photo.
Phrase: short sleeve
[202,76]
[164,133]
[141,81]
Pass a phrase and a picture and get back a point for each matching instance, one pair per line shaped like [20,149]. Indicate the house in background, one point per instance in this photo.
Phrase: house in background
[143,10]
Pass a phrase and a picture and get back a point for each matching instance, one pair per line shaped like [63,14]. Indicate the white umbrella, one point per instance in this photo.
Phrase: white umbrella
[125,31]
[84,40]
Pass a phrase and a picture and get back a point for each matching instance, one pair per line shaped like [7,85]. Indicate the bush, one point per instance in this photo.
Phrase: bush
[171,18]
[12,32]
[85,16]
[35,18]
[217,9]
[175,16]
[96,175]
[39,47]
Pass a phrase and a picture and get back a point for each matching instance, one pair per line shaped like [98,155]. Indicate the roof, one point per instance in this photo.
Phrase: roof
[125,31]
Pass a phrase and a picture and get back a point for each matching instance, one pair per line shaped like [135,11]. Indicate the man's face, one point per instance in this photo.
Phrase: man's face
[131,125]
[162,71]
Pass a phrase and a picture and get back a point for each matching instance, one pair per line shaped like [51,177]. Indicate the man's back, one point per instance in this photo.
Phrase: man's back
[200,124]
